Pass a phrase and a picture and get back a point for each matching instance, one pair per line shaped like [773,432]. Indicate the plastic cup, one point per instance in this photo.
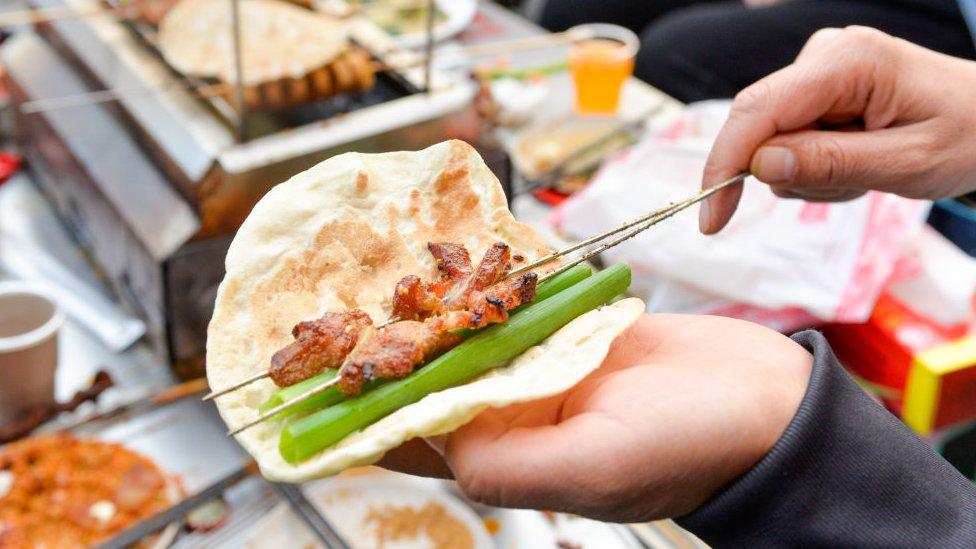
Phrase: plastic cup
[29,324]
[600,62]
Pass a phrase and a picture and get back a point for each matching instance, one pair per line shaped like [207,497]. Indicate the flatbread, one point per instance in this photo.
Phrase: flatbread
[340,235]
[280,40]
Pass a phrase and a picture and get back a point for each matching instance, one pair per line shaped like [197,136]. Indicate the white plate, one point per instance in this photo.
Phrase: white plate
[346,502]
[459,14]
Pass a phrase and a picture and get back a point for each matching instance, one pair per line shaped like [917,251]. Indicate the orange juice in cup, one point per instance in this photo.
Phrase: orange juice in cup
[600,61]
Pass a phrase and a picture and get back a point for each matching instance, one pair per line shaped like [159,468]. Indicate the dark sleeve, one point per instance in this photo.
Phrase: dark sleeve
[845,473]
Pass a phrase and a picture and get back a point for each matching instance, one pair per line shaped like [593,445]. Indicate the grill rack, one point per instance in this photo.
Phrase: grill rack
[390,84]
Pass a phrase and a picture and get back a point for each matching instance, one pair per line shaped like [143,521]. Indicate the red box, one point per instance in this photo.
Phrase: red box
[923,371]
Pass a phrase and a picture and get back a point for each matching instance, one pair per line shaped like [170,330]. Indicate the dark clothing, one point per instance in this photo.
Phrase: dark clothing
[695,50]
[846,473]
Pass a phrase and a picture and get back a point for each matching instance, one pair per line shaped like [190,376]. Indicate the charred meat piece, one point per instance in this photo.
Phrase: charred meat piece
[392,352]
[493,266]
[319,344]
[491,305]
[452,260]
[414,300]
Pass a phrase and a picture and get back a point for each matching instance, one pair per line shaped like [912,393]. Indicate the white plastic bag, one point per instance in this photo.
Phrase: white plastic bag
[830,260]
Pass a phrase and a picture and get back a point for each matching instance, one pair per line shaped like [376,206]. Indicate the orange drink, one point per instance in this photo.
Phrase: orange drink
[600,64]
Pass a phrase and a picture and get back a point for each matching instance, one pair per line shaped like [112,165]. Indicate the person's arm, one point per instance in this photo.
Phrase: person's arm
[845,472]
[857,110]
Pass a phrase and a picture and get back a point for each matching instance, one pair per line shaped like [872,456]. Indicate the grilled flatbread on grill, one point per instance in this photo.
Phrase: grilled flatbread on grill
[280,40]
[340,236]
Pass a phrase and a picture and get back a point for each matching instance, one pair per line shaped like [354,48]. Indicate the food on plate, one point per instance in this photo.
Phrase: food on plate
[378,511]
[61,491]
[399,17]
[153,11]
[540,150]
[350,240]
[290,55]
[208,516]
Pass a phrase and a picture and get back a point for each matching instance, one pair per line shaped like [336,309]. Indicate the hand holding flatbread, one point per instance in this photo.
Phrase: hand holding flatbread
[339,236]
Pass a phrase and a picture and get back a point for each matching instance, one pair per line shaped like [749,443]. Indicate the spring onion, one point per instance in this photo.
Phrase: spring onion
[490,348]
[329,397]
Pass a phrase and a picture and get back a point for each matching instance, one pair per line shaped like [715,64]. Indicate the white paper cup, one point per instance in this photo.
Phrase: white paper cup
[29,324]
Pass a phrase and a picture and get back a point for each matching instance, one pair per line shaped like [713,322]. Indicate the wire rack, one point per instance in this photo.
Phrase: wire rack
[390,85]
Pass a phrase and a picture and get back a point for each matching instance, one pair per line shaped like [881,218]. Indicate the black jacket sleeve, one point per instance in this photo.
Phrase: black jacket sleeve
[845,473]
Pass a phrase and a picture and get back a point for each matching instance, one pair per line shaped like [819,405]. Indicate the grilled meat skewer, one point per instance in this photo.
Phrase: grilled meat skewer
[394,351]
[492,268]
[319,344]
[414,299]
[326,342]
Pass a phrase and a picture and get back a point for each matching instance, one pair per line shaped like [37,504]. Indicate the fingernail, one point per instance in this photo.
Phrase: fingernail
[774,164]
[705,216]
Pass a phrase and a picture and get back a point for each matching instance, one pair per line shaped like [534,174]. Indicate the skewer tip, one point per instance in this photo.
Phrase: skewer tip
[214,394]
[283,406]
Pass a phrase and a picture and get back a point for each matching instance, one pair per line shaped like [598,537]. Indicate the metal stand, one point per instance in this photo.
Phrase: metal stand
[429,48]
[235,16]
[307,512]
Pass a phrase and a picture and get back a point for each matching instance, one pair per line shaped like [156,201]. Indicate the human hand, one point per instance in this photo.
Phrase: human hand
[681,406]
[857,110]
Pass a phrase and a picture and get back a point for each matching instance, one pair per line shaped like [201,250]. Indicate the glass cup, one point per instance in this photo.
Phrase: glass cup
[601,60]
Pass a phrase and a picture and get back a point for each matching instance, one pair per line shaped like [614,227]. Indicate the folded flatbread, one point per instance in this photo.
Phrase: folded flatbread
[279,40]
[339,236]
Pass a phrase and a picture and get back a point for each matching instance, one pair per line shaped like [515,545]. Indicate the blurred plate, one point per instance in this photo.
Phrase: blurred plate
[539,149]
[69,482]
[377,513]
[407,25]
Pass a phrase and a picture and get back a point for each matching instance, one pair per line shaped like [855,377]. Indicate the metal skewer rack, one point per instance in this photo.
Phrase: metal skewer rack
[390,84]
[184,170]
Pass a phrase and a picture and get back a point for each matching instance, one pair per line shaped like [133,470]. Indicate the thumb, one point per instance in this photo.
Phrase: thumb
[889,160]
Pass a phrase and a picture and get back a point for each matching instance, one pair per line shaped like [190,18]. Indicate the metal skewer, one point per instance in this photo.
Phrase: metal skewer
[214,394]
[650,219]
[261,375]
[274,411]
[638,226]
